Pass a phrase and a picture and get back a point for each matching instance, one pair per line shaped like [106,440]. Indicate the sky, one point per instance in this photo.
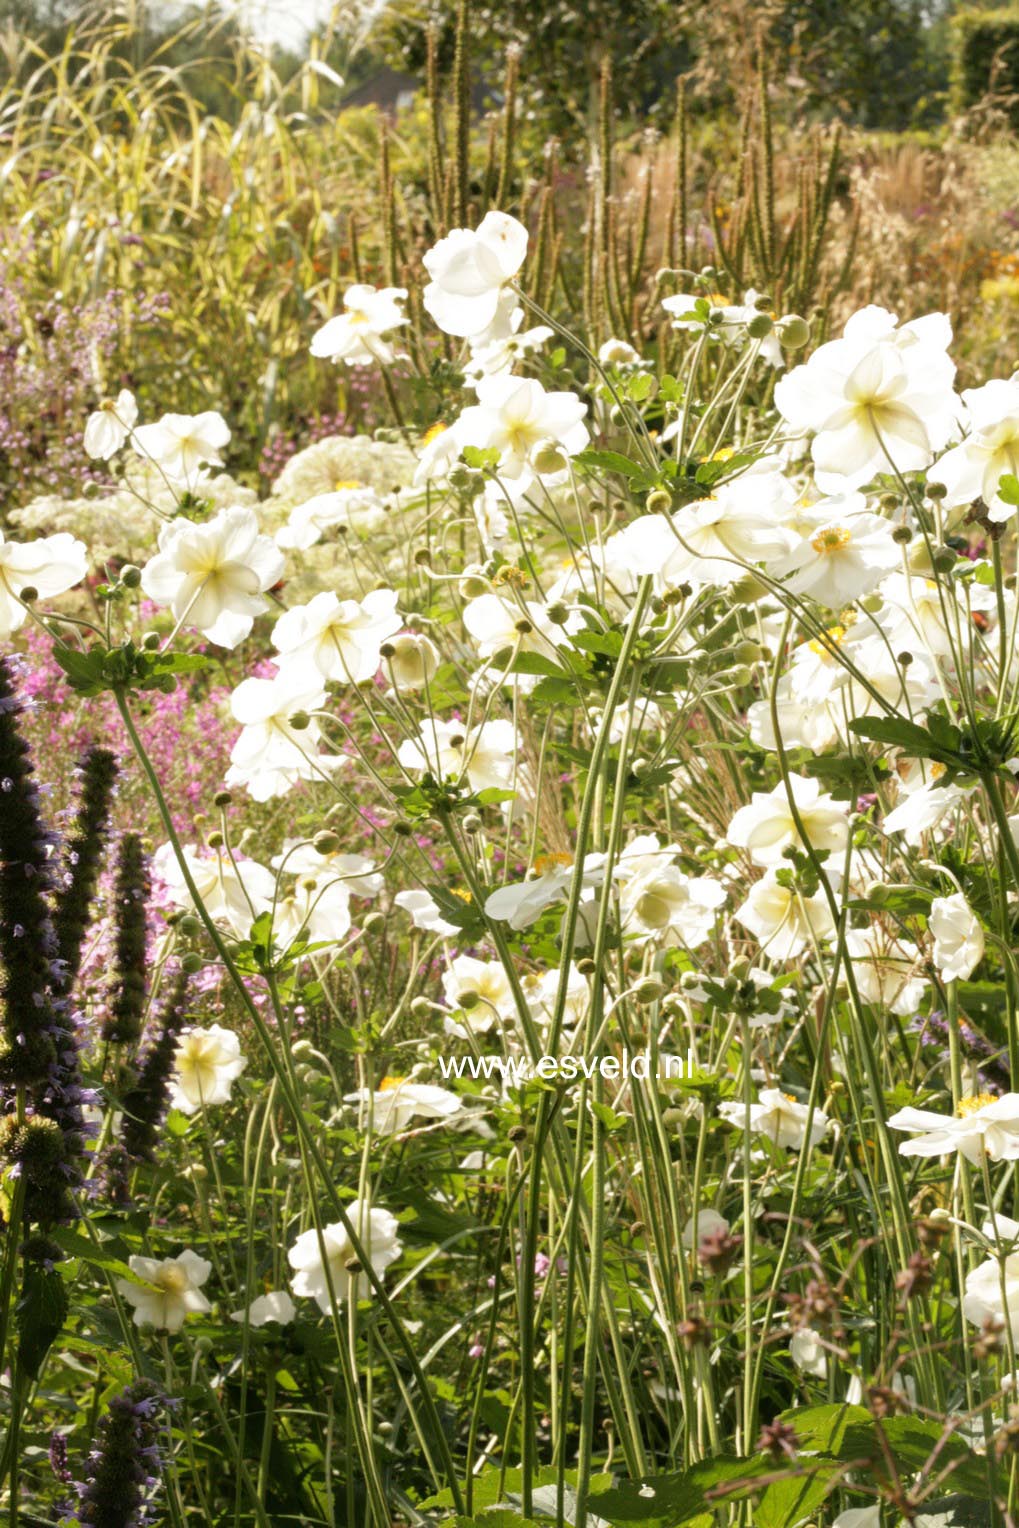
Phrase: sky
[283,21]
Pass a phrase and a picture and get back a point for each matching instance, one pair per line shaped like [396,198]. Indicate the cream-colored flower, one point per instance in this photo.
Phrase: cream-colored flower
[170,1291]
[329,1259]
[205,1064]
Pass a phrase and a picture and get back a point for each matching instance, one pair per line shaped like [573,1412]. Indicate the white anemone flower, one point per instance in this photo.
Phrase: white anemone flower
[409,660]
[859,1517]
[486,754]
[270,754]
[707,1222]
[355,336]
[518,418]
[886,969]
[334,639]
[779,1117]
[205,1064]
[275,1305]
[49,565]
[469,269]
[109,426]
[984,1126]
[319,1260]
[398,1101]
[214,576]
[881,391]
[808,1352]
[958,937]
[974,469]
[992,1289]
[481,985]
[783,921]
[171,1289]
[767,826]
[497,624]
[924,804]
[423,912]
[182,444]
[354,506]
[233,891]
[665,903]
[844,556]
[938,617]
[521,903]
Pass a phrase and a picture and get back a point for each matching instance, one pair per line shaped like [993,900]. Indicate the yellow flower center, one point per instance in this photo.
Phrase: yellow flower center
[358,316]
[835,635]
[969,1106]
[341,483]
[389,1083]
[546,862]
[832,539]
[172,1281]
[723,455]
[435,430]
[511,575]
[462,893]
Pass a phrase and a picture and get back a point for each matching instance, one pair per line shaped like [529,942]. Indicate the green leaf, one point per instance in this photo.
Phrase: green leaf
[1008,488]
[39,1314]
[609,461]
[894,732]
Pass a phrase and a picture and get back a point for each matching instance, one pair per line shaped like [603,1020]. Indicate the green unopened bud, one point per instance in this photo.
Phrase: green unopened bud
[558,614]
[472,823]
[422,557]
[461,477]
[326,841]
[902,535]
[28,595]
[548,457]
[648,991]
[215,840]
[659,501]
[944,559]
[222,798]
[190,926]
[760,326]
[472,586]
[748,652]
[130,576]
[739,677]
[794,332]
[468,999]
[374,923]
[299,721]
[191,963]
[937,491]
[748,590]
[150,641]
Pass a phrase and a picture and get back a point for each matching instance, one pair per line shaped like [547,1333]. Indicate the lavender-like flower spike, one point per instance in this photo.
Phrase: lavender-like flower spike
[28,946]
[145,1102]
[124,1465]
[126,1008]
[82,854]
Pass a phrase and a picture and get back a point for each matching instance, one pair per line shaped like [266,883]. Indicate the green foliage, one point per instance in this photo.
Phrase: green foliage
[985,60]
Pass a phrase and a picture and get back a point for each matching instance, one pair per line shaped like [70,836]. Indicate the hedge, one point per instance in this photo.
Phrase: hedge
[985,59]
